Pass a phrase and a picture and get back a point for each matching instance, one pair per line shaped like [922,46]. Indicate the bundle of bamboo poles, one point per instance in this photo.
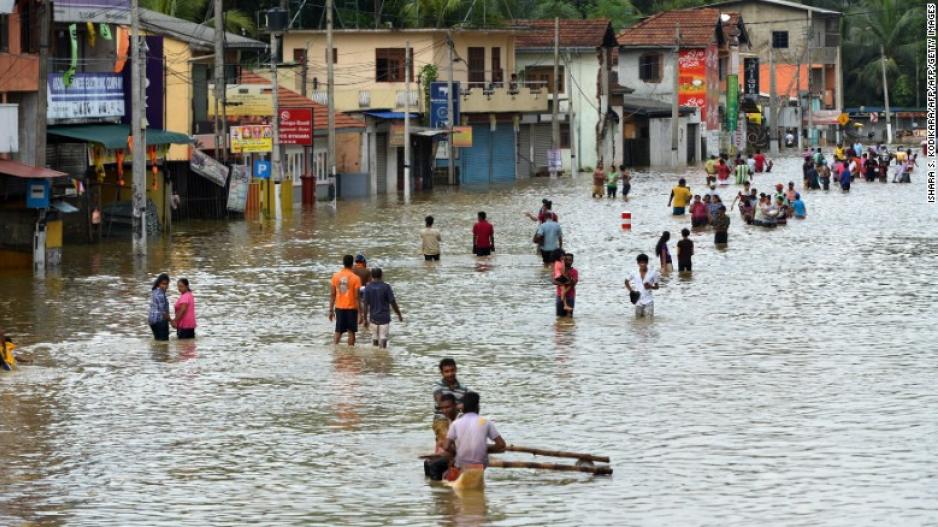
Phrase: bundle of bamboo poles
[584,461]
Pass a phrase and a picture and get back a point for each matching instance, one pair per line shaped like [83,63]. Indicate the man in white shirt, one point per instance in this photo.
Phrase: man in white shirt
[468,437]
[643,281]
[430,241]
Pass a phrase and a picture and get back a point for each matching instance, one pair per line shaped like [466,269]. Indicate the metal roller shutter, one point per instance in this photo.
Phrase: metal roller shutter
[381,163]
[475,160]
[525,162]
[503,153]
[542,143]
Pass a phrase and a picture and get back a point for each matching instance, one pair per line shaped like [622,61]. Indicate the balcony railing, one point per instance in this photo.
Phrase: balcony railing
[402,96]
[364,98]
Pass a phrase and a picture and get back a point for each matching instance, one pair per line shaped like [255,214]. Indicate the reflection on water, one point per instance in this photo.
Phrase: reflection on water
[788,380]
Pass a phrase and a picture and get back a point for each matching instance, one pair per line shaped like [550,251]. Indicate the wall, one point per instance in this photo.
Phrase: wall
[659,131]
[348,153]
[584,67]
[178,94]
[20,70]
[628,74]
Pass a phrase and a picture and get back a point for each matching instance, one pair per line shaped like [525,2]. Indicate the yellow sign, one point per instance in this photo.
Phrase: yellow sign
[462,136]
[244,100]
[396,137]
[843,119]
[252,139]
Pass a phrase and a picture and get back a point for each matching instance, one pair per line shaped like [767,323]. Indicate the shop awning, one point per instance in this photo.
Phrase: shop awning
[114,136]
[390,115]
[16,169]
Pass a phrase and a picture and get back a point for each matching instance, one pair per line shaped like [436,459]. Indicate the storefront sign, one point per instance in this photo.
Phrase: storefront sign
[396,136]
[244,100]
[439,105]
[692,80]
[751,76]
[90,97]
[205,165]
[252,139]
[462,137]
[296,126]
[106,11]
[732,102]
[238,188]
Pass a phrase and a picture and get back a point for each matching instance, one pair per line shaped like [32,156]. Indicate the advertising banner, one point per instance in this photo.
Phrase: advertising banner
[90,97]
[296,126]
[751,76]
[252,139]
[462,137]
[238,189]
[104,11]
[712,116]
[206,166]
[692,80]
[242,100]
[732,102]
[439,104]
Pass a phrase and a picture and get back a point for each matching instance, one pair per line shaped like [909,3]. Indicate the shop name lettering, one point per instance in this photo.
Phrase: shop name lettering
[94,84]
[691,59]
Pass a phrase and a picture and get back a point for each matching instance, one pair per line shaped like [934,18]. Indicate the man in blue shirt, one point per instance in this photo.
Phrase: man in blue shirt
[549,238]
[378,301]
[798,206]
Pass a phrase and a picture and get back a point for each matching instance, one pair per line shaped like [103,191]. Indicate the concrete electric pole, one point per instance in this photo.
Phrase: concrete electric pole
[555,111]
[138,133]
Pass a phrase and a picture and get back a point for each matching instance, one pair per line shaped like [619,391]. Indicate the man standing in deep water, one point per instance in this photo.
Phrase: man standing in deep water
[483,237]
[343,301]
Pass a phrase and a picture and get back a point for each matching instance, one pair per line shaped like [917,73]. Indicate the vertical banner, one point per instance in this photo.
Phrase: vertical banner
[692,80]
[238,188]
[713,89]
[732,102]
[751,76]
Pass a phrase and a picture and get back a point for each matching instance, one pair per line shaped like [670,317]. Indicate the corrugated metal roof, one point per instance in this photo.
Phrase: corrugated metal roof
[198,35]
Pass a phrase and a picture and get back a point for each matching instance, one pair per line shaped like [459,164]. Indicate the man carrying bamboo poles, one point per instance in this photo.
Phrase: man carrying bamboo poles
[467,442]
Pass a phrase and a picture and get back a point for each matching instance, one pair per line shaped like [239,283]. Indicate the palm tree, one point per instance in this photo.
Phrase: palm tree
[200,12]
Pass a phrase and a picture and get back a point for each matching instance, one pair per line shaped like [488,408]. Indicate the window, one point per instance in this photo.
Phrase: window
[543,77]
[29,31]
[389,65]
[564,135]
[497,74]
[649,67]
[476,67]
[335,54]
[722,65]
[4,33]
[780,39]
[299,55]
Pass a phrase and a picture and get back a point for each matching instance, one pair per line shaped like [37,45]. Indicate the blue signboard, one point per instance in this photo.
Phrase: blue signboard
[89,97]
[37,193]
[439,104]
[261,169]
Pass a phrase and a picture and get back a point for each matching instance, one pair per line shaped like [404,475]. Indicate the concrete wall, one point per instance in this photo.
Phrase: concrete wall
[584,67]
[177,102]
[629,68]
[659,131]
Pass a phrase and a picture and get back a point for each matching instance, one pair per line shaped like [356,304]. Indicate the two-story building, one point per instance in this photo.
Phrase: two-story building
[369,66]
[578,85]
[688,49]
[804,43]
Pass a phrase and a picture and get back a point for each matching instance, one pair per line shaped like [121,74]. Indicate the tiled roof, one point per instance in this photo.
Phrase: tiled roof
[290,98]
[574,33]
[697,25]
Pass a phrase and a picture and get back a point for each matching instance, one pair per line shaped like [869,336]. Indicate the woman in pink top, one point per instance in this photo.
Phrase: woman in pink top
[184,321]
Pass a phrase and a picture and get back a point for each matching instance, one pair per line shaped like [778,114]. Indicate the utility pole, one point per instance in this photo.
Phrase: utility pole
[810,94]
[800,113]
[773,105]
[675,101]
[882,55]
[330,93]
[450,168]
[555,117]
[42,102]
[304,72]
[407,66]
[275,165]
[574,161]
[220,84]
[138,133]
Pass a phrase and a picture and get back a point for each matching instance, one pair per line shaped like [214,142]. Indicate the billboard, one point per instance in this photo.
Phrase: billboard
[712,116]
[251,138]
[296,126]
[751,76]
[692,80]
[90,97]
[244,100]
[732,102]
[96,11]
[238,188]
[206,166]
[439,105]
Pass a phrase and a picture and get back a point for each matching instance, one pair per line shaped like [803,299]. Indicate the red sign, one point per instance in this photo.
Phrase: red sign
[296,126]
[692,80]
[711,113]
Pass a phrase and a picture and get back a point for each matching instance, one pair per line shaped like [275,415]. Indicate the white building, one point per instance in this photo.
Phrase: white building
[578,85]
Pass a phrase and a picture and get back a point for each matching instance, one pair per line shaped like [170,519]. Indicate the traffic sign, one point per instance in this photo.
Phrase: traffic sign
[261,169]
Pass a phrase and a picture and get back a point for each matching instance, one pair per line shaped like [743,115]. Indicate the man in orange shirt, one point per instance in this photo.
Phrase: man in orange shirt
[343,301]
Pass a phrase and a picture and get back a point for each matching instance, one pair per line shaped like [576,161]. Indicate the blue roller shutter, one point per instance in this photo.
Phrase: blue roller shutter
[475,160]
[503,153]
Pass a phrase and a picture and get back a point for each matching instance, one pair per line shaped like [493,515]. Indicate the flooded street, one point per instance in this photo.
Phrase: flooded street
[789,381]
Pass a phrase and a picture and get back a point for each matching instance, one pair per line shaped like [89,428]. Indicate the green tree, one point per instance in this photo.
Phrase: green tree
[200,12]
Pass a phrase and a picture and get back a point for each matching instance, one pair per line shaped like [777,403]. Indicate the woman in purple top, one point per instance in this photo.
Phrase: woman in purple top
[662,252]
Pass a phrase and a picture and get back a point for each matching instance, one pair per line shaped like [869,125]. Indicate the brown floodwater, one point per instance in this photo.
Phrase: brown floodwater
[789,381]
